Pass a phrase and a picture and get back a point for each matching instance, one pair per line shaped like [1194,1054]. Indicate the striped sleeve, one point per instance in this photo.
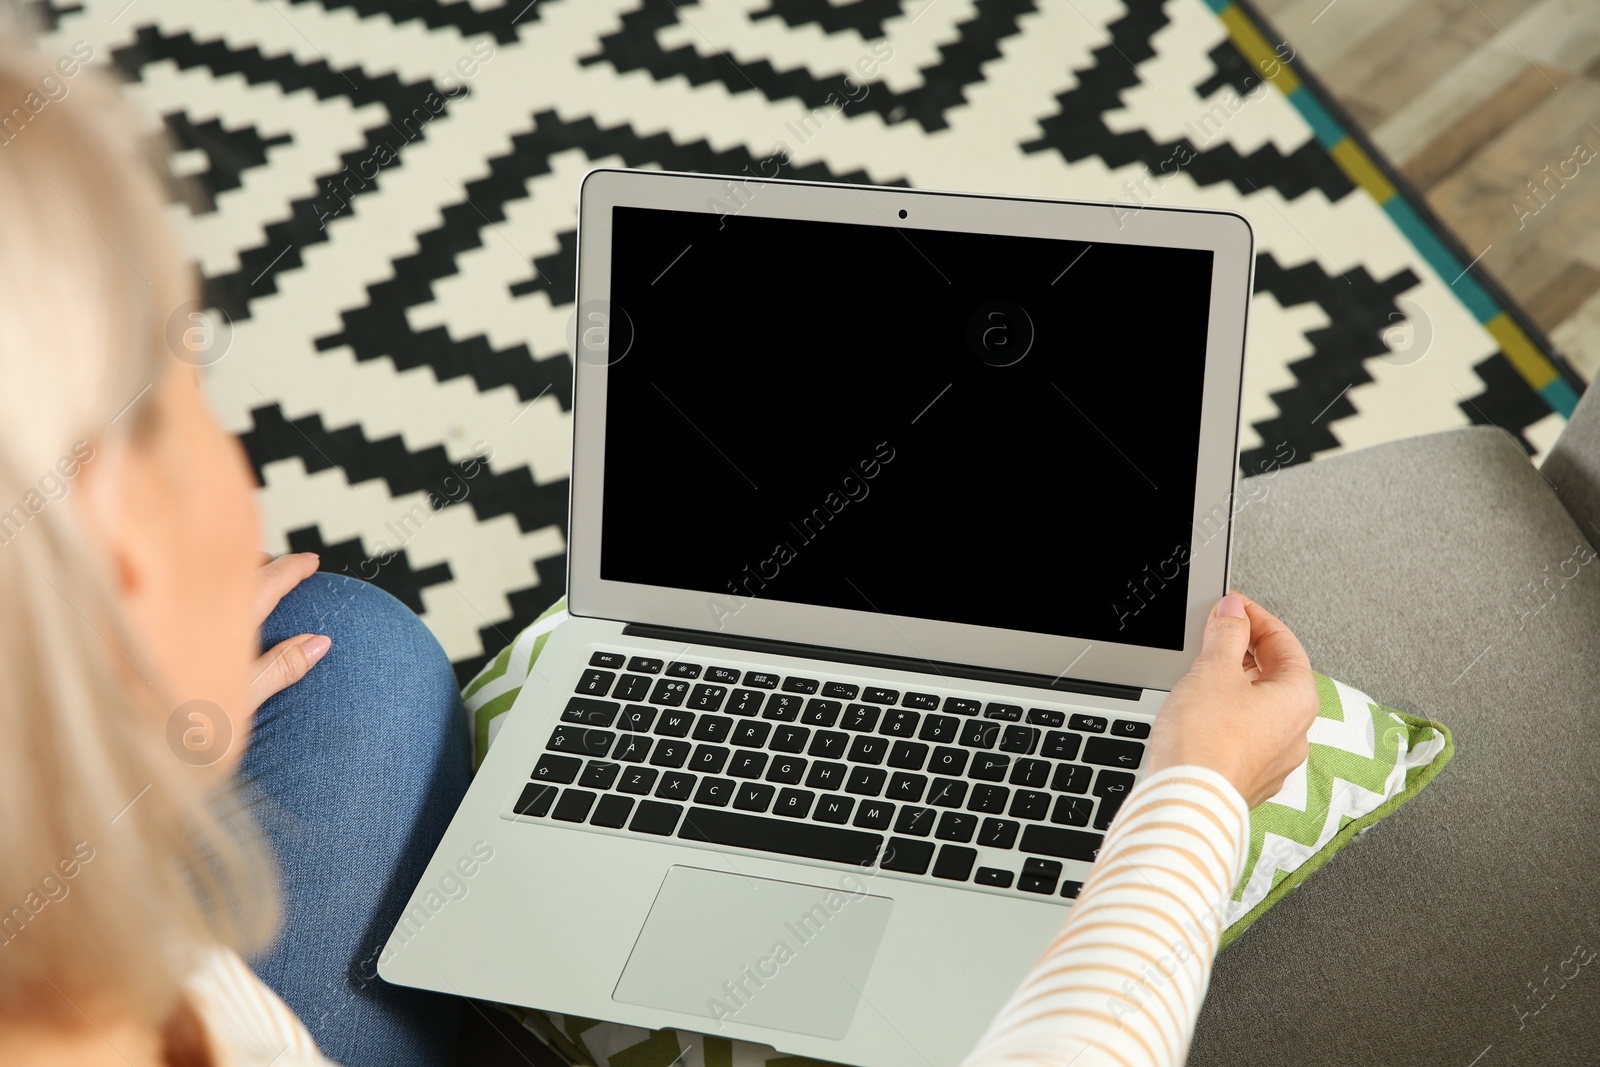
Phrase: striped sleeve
[247,1024]
[1122,982]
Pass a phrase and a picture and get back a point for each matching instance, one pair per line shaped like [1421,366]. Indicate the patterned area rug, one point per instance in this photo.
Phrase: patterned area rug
[385,211]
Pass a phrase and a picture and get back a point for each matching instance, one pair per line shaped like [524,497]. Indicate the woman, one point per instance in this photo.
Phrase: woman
[131,676]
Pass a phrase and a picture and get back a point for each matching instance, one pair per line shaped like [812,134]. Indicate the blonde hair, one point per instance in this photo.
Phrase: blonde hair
[117,872]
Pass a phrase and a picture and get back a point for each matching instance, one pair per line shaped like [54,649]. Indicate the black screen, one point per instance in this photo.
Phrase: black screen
[978,429]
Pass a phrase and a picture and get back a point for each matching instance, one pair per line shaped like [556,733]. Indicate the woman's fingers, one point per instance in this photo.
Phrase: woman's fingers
[1274,645]
[285,664]
[280,575]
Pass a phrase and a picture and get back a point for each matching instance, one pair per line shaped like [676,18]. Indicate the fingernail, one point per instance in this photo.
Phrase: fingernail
[312,555]
[1231,606]
[315,648]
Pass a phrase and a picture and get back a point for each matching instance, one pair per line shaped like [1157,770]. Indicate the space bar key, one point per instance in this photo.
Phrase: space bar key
[780,835]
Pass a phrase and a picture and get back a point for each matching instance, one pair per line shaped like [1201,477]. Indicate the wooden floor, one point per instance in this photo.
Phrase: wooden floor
[1492,109]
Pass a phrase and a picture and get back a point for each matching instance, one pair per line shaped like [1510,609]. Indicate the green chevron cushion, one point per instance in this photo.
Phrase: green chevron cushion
[1366,760]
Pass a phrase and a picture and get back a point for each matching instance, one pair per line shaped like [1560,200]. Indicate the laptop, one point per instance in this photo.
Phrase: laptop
[895,516]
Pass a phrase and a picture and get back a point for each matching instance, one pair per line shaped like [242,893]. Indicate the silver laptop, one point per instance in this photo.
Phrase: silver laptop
[895,516]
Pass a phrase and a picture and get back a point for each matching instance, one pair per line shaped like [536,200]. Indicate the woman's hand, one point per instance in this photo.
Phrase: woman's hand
[289,660]
[1244,708]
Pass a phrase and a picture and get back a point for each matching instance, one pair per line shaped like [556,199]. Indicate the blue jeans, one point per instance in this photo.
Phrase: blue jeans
[353,773]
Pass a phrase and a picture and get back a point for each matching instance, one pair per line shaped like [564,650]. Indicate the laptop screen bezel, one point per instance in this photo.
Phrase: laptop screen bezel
[1227,235]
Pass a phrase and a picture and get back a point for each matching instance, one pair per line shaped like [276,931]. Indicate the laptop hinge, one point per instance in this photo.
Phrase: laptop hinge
[887,662]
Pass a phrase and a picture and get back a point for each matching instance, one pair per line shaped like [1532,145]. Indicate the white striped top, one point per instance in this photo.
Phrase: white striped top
[1122,983]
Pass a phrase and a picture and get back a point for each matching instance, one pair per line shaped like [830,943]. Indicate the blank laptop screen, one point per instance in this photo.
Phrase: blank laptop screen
[991,430]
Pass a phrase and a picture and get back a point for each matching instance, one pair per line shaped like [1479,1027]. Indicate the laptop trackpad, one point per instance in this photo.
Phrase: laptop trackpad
[756,951]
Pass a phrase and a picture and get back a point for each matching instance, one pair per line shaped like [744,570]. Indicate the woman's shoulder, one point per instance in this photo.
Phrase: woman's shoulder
[246,1023]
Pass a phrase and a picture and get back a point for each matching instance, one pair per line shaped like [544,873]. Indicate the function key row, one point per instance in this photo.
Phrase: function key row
[633,687]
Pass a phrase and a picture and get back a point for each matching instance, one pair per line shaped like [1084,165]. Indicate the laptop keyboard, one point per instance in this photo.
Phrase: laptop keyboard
[947,786]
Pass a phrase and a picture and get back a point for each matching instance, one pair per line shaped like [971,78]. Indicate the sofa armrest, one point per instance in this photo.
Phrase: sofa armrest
[1573,465]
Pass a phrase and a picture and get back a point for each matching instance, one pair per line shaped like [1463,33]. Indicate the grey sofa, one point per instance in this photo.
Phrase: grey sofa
[1430,573]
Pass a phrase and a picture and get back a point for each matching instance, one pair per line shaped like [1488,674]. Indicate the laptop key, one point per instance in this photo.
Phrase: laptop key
[906,856]
[1061,843]
[998,833]
[1039,876]
[956,826]
[874,814]
[669,692]
[980,733]
[785,707]
[948,761]
[866,781]
[989,799]
[962,706]
[900,723]
[916,821]
[1058,744]
[670,753]
[1089,724]
[722,674]
[598,775]
[675,723]
[1029,804]
[1005,712]
[632,748]
[751,734]
[834,809]
[1019,739]
[829,744]
[675,786]
[925,701]
[610,660]
[874,695]
[715,728]
[1070,889]
[683,670]
[1030,772]
[940,729]
[793,803]
[862,717]
[632,687]
[653,817]
[955,863]
[1109,783]
[744,702]
[562,769]
[993,876]
[947,792]
[989,766]
[906,788]
[1070,778]
[842,690]
[821,712]
[574,805]
[761,679]
[1109,806]
[1105,752]
[637,717]
[638,780]
[587,711]
[592,683]
[868,749]
[801,685]
[754,796]
[715,791]
[826,775]
[790,739]
[644,665]
[535,800]
[707,697]
[786,770]
[708,759]
[1072,811]
[747,764]
[786,837]
[1046,717]
[580,740]
[1129,728]
[908,755]
[612,811]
